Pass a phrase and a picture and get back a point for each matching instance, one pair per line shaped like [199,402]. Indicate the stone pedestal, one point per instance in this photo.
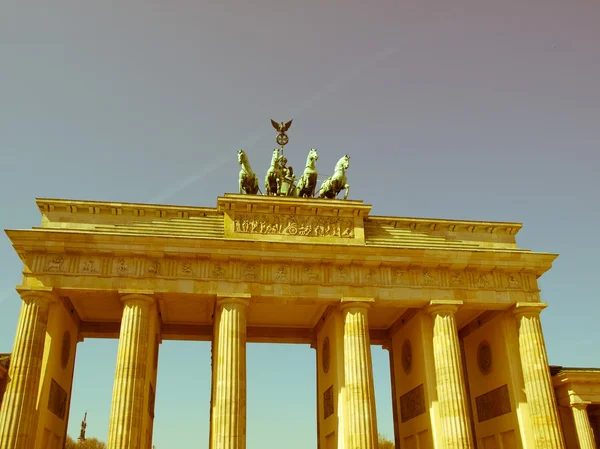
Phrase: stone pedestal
[125,428]
[543,411]
[228,417]
[452,398]
[585,436]
[18,417]
[361,424]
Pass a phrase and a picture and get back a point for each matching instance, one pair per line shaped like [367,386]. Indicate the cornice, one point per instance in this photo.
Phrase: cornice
[438,224]
[119,208]
[258,203]
[53,240]
[577,375]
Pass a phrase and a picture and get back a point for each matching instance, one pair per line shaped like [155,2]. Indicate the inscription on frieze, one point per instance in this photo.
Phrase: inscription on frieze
[57,400]
[493,404]
[328,403]
[306,226]
[412,404]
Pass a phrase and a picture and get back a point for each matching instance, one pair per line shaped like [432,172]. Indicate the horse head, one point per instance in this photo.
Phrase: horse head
[275,158]
[241,156]
[343,163]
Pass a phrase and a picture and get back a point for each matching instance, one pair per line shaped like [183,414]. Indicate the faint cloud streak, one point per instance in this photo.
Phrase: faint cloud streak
[334,85]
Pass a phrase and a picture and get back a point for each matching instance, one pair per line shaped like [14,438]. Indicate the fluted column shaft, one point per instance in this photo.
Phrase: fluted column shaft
[125,428]
[361,422]
[583,426]
[450,380]
[228,423]
[18,416]
[543,411]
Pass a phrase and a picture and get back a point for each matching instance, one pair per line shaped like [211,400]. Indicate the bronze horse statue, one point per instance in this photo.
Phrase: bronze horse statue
[308,181]
[248,180]
[333,185]
[273,177]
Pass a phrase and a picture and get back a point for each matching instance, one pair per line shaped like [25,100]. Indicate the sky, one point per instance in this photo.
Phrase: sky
[471,109]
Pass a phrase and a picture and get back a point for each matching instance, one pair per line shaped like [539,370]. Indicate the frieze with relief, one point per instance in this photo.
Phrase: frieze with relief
[294,225]
[85,265]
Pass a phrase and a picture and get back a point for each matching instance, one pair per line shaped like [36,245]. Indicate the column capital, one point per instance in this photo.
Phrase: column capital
[242,299]
[437,306]
[43,294]
[528,308]
[146,296]
[351,302]
[579,405]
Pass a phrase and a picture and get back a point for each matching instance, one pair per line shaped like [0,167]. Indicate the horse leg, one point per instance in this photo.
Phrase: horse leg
[347,187]
[241,184]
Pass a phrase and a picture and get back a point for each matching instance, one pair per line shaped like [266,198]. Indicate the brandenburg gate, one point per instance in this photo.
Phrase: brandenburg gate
[456,304]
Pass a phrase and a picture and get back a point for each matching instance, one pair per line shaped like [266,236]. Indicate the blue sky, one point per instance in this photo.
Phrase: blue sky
[469,109]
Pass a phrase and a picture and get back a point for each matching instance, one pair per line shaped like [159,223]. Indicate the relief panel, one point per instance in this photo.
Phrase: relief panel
[412,404]
[493,404]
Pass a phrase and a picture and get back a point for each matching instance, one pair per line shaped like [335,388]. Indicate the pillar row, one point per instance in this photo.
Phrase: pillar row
[18,417]
[543,411]
[125,427]
[585,435]
[361,422]
[228,415]
[450,380]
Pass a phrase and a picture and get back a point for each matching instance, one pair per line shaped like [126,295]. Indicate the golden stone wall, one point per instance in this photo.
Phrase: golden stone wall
[456,303]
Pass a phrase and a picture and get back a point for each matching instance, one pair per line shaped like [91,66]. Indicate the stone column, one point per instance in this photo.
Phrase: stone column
[360,431]
[450,379]
[125,427]
[18,417]
[583,426]
[543,411]
[228,421]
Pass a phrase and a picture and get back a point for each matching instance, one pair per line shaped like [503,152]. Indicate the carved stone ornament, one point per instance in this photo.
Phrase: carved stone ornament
[485,280]
[400,276]
[458,279]
[429,277]
[307,226]
[325,356]
[328,407]
[249,271]
[412,404]
[310,274]
[55,264]
[484,357]
[89,266]
[65,352]
[513,281]
[281,273]
[493,404]
[122,266]
[57,400]
[155,268]
[186,268]
[407,356]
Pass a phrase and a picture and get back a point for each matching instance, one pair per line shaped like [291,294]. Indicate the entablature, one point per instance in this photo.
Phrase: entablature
[267,218]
